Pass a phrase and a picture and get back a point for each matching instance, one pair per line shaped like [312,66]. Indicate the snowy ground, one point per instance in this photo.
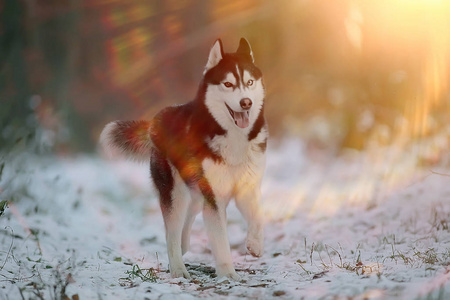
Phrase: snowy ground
[369,226]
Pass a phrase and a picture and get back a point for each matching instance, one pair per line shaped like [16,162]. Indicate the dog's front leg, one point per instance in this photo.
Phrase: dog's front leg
[247,201]
[216,227]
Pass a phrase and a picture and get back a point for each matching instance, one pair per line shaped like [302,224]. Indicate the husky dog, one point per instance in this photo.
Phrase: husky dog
[204,153]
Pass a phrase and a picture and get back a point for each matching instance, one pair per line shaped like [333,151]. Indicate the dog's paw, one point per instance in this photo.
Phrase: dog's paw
[180,272]
[227,272]
[230,275]
[255,251]
[255,245]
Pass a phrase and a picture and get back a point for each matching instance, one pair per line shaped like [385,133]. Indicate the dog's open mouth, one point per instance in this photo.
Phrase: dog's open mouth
[241,119]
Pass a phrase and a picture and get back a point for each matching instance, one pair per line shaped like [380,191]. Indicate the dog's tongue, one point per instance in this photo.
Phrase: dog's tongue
[241,119]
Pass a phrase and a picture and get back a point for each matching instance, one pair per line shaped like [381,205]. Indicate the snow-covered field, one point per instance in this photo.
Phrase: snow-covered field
[362,226]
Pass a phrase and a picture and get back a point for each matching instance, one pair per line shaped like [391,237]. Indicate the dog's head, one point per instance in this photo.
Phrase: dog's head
[234,86]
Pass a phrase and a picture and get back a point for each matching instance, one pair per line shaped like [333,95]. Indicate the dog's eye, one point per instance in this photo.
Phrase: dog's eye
[250,82]
[228,84]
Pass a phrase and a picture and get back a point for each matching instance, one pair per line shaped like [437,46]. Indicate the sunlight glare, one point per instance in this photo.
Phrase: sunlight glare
[411,39]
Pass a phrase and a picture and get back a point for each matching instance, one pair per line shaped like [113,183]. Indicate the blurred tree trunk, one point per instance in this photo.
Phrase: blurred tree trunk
[14,81]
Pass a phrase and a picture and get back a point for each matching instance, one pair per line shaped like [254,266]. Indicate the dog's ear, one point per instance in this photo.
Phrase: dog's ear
[215,56]
[245,49]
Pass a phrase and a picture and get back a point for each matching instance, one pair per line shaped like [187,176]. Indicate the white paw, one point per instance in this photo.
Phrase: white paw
[227,272]
[178,272]
[255,244]
[229,275]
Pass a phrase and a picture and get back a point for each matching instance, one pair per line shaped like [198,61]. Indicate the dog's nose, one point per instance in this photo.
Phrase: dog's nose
[246,103]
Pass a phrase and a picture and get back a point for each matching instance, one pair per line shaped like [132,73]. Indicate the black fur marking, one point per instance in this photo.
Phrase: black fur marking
[238,78]
[244,49]
[207,192]
[263,146]
[259,124]
[163,180]
[227,65]
[241,76]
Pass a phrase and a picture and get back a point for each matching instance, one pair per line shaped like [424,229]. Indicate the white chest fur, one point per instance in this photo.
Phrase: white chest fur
[243,163]
[233,148]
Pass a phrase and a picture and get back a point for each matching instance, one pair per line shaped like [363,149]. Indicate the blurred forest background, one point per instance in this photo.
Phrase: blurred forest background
[347,74]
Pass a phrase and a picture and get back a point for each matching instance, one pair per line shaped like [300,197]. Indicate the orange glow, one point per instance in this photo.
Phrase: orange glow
[411,39]
[418,28]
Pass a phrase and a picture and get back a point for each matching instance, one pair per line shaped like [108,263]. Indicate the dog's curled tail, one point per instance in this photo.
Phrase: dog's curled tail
[131,138]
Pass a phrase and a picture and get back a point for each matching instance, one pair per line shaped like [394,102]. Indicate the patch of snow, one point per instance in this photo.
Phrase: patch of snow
[351,228]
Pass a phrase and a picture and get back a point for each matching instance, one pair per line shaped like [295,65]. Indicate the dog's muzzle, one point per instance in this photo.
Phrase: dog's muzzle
[241,119]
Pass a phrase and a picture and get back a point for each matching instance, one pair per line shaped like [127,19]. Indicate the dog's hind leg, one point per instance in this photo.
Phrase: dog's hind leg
[193,210]
[174,199]
[174,222]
